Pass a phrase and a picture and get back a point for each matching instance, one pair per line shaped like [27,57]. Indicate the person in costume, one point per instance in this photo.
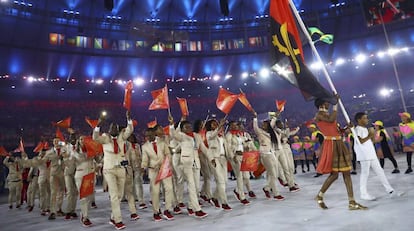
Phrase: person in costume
[407,131]
[383,145]
[335,157]
[317,139]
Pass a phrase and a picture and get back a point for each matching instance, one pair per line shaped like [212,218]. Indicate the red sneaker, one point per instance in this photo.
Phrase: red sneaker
[86,222]
[294,189]
[181,205]
[157,217]
[93,205]
[216,203]
[177,210]
[120,226]
[200,214]
[281,182]
[74,215]
[252,195]
[67,217]
[226,207]
[142,206]
[245,202]
[190,212]
[279,198]
[168,215]
[205,198]
[236,194]
[134,217]
[112,222]
[267,193]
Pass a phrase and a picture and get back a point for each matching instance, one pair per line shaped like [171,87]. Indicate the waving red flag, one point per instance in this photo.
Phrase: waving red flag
[280,105]
[152,123]
[245,102]
[40,146]
[59,135]
[128,95]
[92,123]
[183,106]
[226,100]
[160,99]
[87,185]
[165,170]
[250,161]
[134,123]
[166,130]
[3,151]
[63,123]
[93,148]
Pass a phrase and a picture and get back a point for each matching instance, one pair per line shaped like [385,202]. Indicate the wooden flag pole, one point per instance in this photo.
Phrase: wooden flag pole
[318,57]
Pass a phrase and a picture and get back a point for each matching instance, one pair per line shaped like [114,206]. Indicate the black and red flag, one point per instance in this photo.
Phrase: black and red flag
[287,52]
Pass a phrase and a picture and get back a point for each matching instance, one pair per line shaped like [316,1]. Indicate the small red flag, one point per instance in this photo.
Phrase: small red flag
[40,146]
[59,134]
[280,105]
[160,99]
[152,123]
[166,130]
[134,123]
[245,102]
[3,151]
[250,161]
[128,95]
[87,186]
[63,123]
[165,170]
[183,106]
[93,148]
[226,100]
[92,123]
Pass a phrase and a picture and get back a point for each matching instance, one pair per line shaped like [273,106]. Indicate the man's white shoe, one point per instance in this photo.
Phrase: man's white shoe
[368,198]
[394,193]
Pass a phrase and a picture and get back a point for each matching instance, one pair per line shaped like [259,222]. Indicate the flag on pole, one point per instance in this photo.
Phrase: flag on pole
[183,106]
[165,170]
[280,105]
[160,99]
[128,95]
[152,123]
[65,123]
[250,161]
[287,53]
[40,146]
[226,100]
[93,148]
[244,101]
[326,38]
[92,123]
[87,185]
[59,134]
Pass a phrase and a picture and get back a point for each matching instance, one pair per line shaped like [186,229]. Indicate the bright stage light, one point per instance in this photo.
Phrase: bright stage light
[99,81]
[244,75]
[264,72]
[393,51]
[339,61]
[139,81]
[385,92]
[316,65]
[380,54]
[30,79]
[216,77]
[360,58]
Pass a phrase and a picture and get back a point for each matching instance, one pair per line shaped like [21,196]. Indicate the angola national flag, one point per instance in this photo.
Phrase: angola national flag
[287,53]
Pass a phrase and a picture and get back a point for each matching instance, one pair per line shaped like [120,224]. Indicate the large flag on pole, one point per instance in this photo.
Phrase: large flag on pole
[65,123]
[183,106]
[226,100]
[287,53]
[128,95]
[160,99]
[244,101]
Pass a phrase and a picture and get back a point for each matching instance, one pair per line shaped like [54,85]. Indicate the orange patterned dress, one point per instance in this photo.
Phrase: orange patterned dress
[335,156]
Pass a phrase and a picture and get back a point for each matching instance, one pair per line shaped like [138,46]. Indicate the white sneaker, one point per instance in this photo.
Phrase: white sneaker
[368,197]
[394,193]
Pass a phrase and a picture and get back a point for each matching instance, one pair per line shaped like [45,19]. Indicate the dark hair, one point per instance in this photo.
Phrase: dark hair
[319,102]
[184,123]
[359,115]
[208,124]
[271,132]
[197,125]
